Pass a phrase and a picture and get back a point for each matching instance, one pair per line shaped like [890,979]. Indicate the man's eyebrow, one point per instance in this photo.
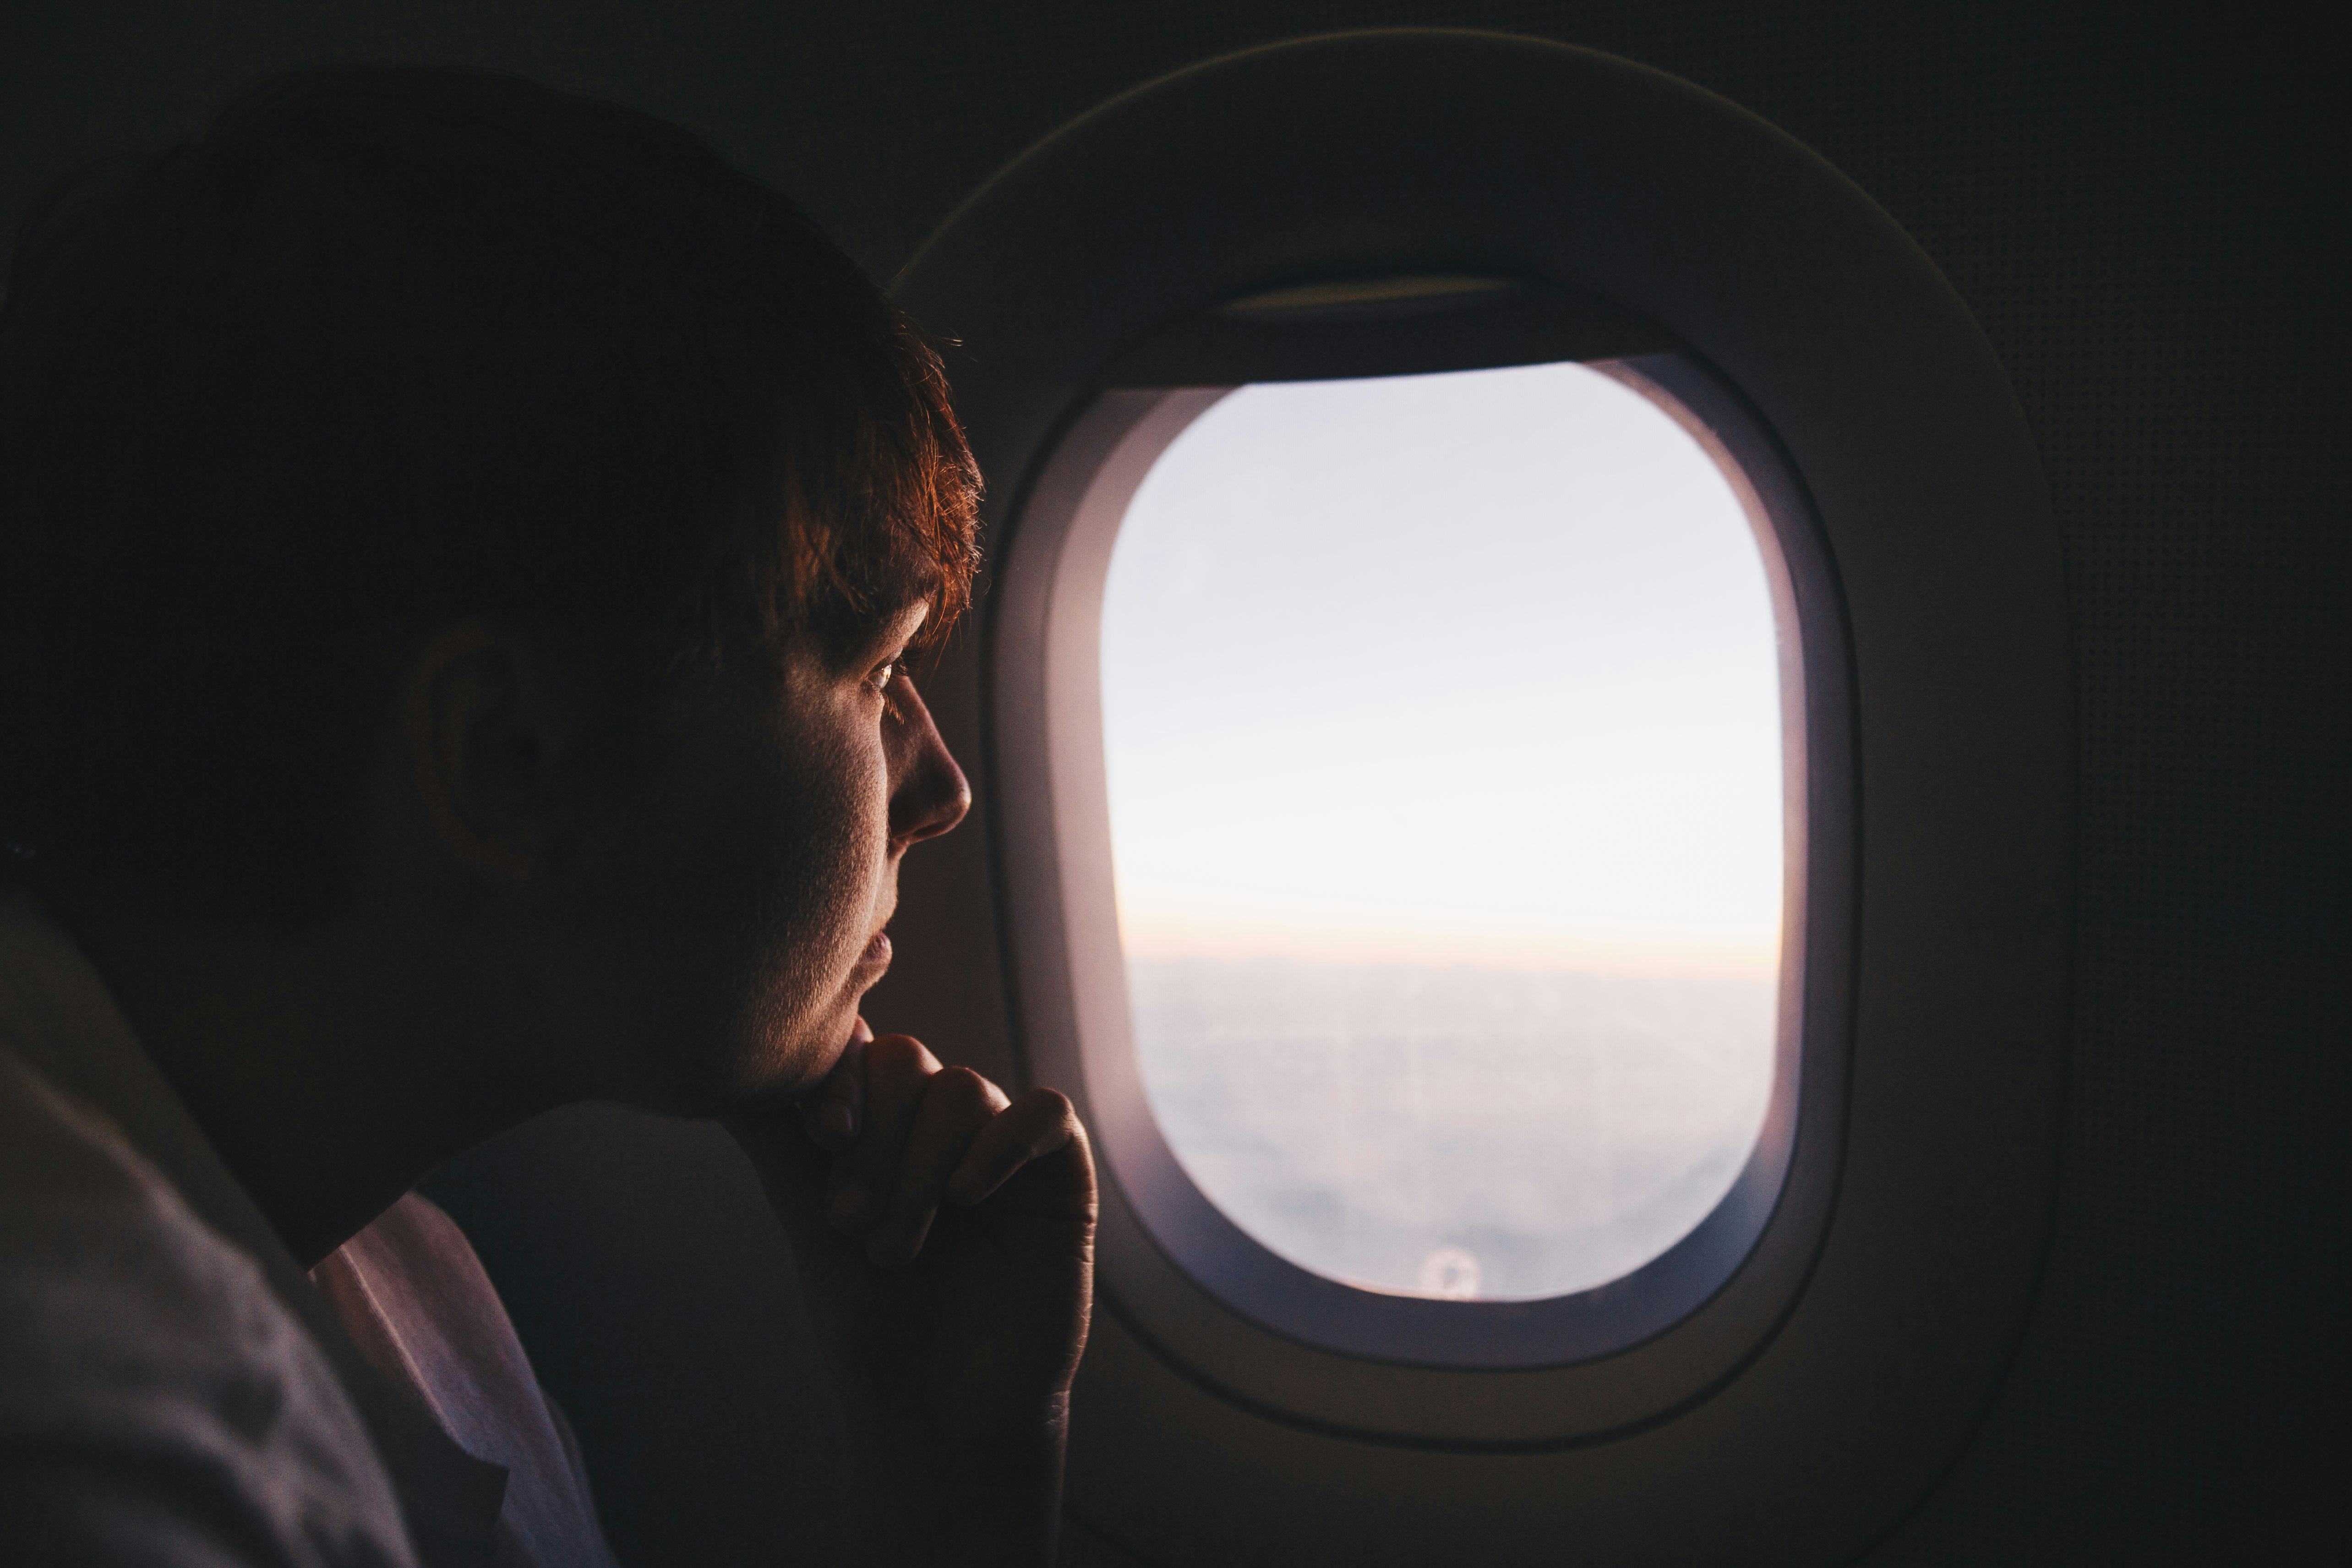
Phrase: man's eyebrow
[870,639]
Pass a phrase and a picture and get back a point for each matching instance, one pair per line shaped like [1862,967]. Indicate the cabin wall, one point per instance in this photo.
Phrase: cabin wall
[2148,218]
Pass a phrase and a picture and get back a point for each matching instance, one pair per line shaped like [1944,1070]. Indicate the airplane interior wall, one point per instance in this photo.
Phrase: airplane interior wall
[2145,211]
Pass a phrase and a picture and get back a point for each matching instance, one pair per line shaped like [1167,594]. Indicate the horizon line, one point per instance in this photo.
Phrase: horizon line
[1752,955]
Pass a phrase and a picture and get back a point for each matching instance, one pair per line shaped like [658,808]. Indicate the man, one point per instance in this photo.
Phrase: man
[462,549]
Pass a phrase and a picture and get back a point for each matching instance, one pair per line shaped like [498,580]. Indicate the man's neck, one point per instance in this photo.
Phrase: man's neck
[331,1067]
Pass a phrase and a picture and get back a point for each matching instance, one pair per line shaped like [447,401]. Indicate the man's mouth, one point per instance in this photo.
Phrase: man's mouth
[876,956]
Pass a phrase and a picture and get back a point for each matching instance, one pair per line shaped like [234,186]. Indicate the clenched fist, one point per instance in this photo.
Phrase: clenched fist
[944,1235]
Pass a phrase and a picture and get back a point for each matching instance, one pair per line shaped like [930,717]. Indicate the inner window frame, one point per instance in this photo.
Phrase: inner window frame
[1047,723]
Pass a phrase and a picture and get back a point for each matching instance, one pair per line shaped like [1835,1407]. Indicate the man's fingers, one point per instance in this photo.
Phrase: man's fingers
[1039,1123]
[924,1135]
[897,1070]
[957,1104]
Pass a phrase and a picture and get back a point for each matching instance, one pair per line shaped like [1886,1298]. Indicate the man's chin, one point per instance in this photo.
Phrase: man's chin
[793,1072]
[795,1055]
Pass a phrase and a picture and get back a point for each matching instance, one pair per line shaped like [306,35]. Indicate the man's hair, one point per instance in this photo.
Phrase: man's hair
[382,349]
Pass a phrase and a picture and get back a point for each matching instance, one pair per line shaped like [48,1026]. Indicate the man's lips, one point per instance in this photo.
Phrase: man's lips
[876,955]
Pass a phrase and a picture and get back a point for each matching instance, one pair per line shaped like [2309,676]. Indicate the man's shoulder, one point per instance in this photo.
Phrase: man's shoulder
[143,1359]
[109,1287]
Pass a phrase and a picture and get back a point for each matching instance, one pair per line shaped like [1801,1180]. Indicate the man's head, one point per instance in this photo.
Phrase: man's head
[435,494]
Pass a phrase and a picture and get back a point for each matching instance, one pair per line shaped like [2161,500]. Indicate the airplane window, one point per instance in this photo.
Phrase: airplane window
[1443,718]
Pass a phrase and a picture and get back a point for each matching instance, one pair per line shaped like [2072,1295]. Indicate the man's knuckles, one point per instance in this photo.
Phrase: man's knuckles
[897,1061]
[964,1093]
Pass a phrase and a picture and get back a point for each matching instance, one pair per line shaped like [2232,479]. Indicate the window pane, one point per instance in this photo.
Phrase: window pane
[1443,731]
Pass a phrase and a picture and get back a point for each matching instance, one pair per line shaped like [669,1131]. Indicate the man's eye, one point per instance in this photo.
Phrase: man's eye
[886,673]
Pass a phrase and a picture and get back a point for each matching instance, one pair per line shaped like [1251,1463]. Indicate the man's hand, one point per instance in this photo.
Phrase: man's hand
[945,1242]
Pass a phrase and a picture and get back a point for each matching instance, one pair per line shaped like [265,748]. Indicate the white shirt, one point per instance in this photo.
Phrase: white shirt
[173,1389]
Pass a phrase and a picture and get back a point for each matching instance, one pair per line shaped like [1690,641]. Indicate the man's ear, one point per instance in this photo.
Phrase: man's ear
[484,728]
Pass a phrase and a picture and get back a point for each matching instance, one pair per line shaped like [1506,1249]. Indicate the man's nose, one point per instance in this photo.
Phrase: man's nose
[929,794]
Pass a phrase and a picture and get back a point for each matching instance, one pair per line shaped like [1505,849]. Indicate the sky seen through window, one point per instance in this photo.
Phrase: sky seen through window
[1444,742]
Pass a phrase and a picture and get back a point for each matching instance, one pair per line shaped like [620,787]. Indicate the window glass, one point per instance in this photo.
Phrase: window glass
[1445,756]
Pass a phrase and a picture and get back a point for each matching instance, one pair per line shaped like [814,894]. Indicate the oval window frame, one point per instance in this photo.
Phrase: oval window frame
[1045,668]
[1433,151]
